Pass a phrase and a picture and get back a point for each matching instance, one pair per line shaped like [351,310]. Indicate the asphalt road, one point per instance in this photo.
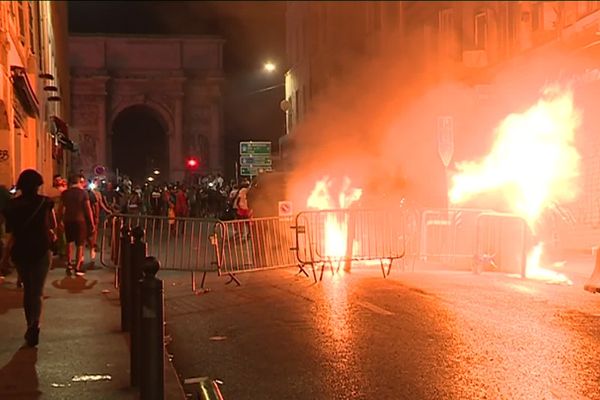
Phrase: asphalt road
[411,336]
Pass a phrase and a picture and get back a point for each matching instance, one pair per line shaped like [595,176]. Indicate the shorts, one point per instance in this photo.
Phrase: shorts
[76,232]
[243,213]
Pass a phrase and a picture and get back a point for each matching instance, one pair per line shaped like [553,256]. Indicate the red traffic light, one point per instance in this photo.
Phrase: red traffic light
[192,163]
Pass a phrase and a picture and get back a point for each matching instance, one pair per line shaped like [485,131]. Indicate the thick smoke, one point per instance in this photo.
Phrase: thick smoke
[378,125]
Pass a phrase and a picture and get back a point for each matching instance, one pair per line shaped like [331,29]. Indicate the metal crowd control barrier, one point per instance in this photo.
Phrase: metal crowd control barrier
[182,244]
[254,245]
[328,237]
[501,243]
[109,241]
[448,236]
[474,239]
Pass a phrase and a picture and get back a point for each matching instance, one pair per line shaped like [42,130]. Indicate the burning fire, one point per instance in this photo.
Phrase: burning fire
[336,224]
[533,163]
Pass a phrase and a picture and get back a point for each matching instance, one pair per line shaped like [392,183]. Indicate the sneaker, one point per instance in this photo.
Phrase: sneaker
[68,271]
[80,273]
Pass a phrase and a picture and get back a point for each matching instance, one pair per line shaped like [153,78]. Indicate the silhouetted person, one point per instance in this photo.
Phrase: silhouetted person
[78,221]
[30,224]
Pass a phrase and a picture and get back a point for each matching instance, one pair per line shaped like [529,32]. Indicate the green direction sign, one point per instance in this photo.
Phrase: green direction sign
[256,161]
[255,148]
[253,171]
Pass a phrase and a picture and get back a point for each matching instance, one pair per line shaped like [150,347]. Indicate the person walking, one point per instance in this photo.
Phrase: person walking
[97,205]
[59,185]
[77,214]
[30,224]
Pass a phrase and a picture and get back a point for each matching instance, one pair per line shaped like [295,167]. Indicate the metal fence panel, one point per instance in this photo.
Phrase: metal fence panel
[255,244]
[501,243]
[335,236]
[185,244]
[448,236]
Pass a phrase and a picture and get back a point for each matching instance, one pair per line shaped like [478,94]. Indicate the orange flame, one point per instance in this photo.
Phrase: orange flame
[336,225]
[533,163]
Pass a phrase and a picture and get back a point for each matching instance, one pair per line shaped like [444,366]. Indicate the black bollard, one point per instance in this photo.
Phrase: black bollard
[152,381]
[137,256]
[125,278]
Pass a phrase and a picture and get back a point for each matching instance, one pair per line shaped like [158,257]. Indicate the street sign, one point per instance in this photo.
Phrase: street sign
[255,158]
[252,148]
[256,161]
[285,209]
[445,131]
[246,170]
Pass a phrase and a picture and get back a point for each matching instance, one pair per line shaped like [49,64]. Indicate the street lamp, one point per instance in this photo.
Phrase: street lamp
[156,172]
[269,67]
[150,179]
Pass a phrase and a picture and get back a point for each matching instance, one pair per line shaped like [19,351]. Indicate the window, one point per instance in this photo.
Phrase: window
[373,13]
[537,10]
[481,30]
[376,9]
[322,23]
[586,7]
[21,21]
[392,14]
[513,25]
[447,32]
[32,43]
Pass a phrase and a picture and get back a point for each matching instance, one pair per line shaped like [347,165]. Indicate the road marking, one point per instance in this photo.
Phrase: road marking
[374,308]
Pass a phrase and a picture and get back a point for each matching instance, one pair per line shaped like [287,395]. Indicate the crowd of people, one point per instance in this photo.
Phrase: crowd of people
[37,229]
[211,197]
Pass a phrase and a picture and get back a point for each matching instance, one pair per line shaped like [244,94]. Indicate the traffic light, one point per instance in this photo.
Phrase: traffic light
[192,163]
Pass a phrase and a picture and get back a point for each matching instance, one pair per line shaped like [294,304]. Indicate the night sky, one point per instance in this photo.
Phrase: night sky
[254,32]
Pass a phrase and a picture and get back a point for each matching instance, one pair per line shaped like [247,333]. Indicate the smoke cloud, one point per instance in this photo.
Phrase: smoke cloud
[378,124]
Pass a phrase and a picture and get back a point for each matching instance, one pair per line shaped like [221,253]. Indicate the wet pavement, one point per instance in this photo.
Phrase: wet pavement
[82,352]
[417,335]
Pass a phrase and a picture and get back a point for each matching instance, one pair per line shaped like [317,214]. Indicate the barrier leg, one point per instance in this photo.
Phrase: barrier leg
[593,284]
[301,270]
[384,271]
[232,278]
[312,266]
[322,271]
[203,280]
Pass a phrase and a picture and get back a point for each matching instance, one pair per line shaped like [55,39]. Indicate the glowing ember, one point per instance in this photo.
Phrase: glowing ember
[335,224]
[533,164]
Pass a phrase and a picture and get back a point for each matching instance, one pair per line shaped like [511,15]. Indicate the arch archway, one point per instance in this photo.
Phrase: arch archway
[140,143]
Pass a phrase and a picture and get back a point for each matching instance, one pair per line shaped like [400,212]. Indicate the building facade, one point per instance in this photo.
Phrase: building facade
[147,103]
[465,41]
[34,89]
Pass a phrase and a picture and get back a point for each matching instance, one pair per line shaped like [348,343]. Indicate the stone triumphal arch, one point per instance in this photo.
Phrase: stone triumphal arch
[145,103]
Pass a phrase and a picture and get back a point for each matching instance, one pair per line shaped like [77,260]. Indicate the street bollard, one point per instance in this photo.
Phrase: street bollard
[137,257]
[152,380]
[125,278]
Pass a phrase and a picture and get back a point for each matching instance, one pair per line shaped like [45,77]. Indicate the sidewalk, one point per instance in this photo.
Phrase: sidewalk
[80,339]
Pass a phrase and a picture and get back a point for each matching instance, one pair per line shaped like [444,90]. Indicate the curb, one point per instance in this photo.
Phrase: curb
[173,387]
